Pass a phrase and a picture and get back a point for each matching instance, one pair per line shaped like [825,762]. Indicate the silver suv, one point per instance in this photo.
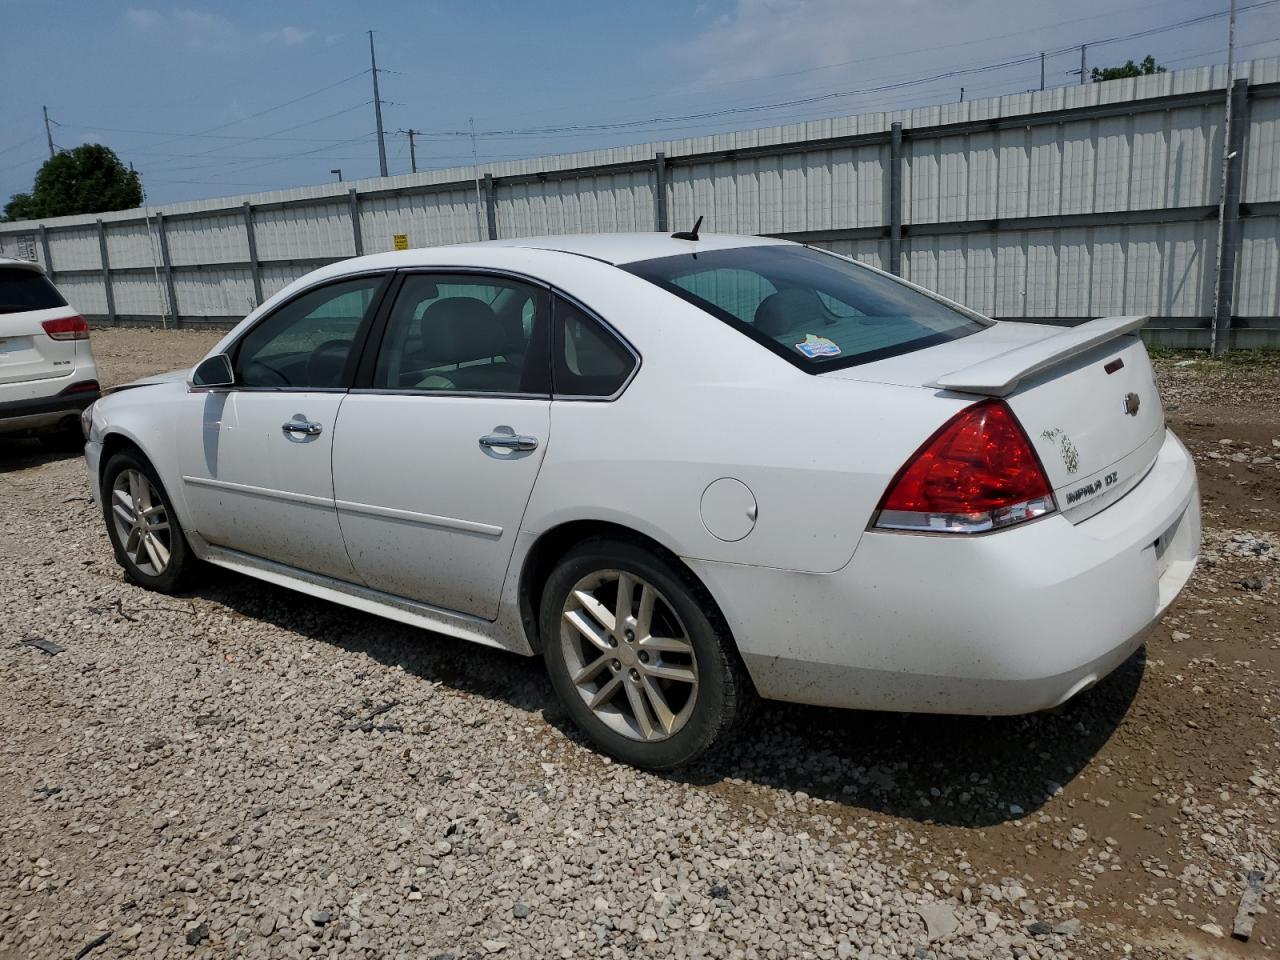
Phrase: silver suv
[47,373]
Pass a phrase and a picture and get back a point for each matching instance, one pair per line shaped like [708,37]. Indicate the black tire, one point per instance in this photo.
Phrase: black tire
[180,557]
[723,688]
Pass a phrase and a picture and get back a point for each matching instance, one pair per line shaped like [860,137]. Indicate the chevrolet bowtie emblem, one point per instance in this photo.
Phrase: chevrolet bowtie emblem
[1131,403]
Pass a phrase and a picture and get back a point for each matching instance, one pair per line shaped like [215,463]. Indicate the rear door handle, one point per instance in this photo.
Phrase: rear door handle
[308,428]
[509,441]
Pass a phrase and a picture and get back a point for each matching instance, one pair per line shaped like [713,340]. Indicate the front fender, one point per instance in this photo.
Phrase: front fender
[147,418]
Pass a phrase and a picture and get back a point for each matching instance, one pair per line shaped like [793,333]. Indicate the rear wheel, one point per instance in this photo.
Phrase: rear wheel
[638,655]
[143,529]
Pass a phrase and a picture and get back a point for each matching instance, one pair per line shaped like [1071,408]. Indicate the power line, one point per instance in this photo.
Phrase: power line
[823,97]
[260,113]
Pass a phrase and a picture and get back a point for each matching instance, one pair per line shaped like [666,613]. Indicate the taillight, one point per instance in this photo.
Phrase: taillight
[83,386]
[67,328]
[978,472]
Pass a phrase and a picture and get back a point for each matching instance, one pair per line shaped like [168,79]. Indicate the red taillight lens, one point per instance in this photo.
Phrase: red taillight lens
[84,386]
[977,473]
[67,328]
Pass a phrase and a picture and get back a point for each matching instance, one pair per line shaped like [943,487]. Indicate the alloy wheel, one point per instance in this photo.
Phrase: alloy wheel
[629,656]
[142,522]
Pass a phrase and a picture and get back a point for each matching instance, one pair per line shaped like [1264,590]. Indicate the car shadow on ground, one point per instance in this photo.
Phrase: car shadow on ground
[23,453]
[959,771]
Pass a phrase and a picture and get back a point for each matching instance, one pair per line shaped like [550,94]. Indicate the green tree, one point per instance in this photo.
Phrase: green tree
[1129,69]
[87,179]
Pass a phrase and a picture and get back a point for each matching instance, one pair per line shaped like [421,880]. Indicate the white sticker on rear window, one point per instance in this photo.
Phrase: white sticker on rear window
[815,346]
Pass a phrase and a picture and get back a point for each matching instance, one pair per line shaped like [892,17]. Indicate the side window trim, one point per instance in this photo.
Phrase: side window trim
[363,380]
[357,343]
[557,344]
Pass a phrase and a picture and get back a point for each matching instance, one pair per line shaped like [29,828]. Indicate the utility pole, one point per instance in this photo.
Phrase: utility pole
[1084,75]
[377,110]
[475,167]
[413,152]
[1219,337]
[48,133]
[962,94]
[1042,70]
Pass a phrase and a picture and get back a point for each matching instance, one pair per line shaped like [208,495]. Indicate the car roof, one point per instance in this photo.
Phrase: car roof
[619,248]
[21,264]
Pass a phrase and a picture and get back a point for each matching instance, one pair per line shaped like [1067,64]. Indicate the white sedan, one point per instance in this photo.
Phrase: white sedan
[685,470]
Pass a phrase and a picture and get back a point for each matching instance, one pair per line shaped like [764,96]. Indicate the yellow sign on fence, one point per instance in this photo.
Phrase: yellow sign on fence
[402,241]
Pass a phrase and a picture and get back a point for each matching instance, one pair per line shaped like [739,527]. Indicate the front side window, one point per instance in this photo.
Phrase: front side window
[819,311]
[465,334]
[307,342]
[588,361]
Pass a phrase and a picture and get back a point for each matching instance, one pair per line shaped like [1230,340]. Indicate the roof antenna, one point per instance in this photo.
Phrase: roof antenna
[688,234]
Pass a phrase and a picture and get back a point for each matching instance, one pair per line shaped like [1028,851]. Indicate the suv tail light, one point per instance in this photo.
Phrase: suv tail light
[83,386]
[67,328]
[978,472]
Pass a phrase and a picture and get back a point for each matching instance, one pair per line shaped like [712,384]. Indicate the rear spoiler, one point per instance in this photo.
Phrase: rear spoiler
[1000,375]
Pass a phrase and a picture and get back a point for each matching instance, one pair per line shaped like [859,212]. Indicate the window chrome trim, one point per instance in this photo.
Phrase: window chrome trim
[236,389]
[473,394]
[608,328]
[500,272]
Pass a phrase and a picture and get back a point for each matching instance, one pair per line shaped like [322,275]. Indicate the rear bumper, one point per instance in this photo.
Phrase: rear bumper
[41,413]
[1010,622]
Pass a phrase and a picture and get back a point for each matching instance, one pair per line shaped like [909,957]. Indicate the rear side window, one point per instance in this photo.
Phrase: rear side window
[819,311]
[22,290]
[465,335]
[588,360]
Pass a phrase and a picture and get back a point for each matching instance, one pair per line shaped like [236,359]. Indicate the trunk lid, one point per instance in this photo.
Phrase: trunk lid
[1086,397]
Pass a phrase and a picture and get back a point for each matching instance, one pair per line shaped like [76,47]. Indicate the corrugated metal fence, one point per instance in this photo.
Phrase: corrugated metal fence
[1060,205]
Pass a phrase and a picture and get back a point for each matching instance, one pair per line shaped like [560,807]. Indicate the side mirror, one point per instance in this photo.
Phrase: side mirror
[214,371]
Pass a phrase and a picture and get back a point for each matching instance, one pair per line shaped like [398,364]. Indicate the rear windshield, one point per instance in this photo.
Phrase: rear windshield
[819,311]
[26,290]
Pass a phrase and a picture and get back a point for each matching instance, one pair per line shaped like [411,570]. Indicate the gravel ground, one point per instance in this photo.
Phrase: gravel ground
[246,772]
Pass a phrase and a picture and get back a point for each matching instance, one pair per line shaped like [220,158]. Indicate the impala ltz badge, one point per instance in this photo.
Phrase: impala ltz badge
[1131,403]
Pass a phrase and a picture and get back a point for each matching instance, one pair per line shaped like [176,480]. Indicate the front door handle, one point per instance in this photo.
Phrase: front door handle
[308,428]
[509,441]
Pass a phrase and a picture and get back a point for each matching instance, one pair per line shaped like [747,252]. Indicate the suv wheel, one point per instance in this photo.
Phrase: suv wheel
[638,655]
[144,530]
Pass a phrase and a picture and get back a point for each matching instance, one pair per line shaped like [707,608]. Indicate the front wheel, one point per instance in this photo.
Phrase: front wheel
[141,524]
[638,655]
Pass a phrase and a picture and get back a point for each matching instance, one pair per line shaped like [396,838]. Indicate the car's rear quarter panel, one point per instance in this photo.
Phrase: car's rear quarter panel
[708,403]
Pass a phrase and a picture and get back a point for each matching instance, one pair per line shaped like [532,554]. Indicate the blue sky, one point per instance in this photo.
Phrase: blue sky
[216,99]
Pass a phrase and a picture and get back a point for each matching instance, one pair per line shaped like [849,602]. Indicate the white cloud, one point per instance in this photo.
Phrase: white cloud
[202,27]
[198,28]
[143,18]
[289,36]
[764,36]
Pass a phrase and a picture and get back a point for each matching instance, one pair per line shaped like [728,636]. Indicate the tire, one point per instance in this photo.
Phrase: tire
[139,561]
[686,637]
